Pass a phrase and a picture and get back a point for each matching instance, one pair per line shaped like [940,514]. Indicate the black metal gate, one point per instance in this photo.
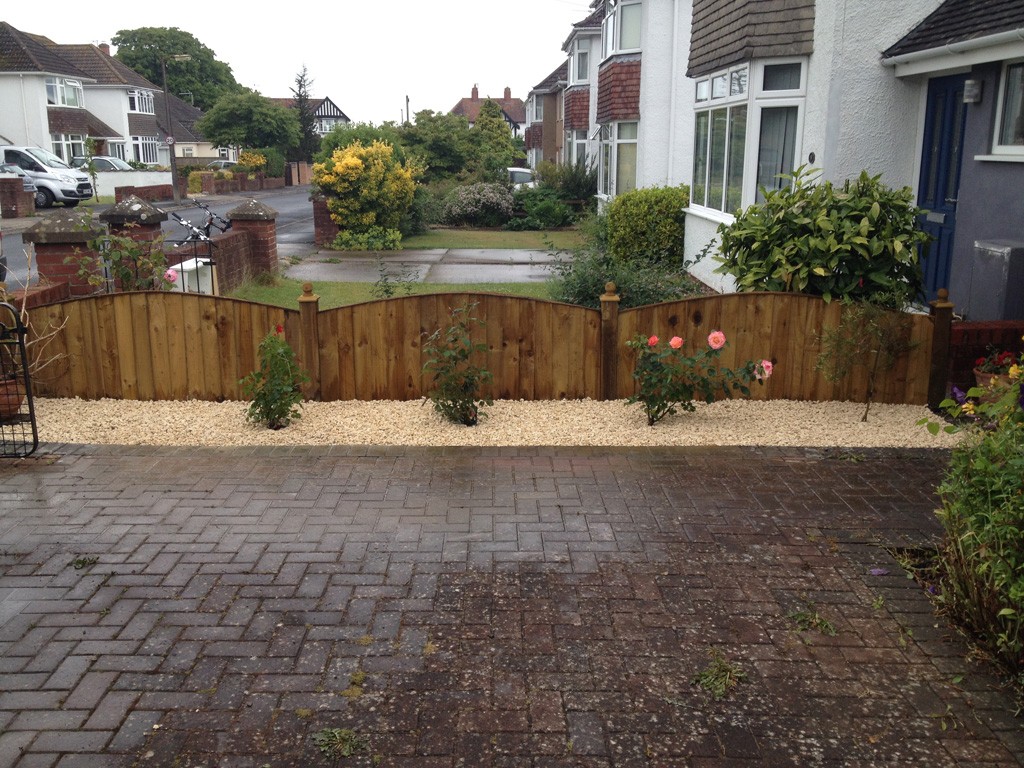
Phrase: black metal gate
[18,434]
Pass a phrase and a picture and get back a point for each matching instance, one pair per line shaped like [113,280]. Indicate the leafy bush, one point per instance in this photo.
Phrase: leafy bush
[250,161]
[853,241]
[650,223]
[669,378]
[570,181]
[374,239]
[541,208]
[276,388]
[478,205]
[581,280]
[275,161]
[368,191]
[456,383]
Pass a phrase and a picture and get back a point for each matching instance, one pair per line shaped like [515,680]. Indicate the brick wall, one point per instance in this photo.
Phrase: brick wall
[324,229]
[577,109]
[15,201]
[149,194]
[618,90]
[534,136]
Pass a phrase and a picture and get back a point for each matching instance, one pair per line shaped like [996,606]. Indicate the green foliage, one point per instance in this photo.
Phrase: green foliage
[373,239]
[720,676]
[309,139]
[457,381]
[442,142]
[344,136]
[668,378]
[389,284]
[339,742]
[809,618]
[570,181]
[478,205]
[649,222]
[249,120]
[497,151]
[870,334]
[369,192]
[541,208]
[120,263]
[853,241]
[203,76]
[581,280]
[274,167]
[276,388]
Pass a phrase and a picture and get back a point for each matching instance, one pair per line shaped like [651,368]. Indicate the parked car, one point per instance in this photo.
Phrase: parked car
[522,178]
[220,165]
[28,184]
[101,163]
[55,180]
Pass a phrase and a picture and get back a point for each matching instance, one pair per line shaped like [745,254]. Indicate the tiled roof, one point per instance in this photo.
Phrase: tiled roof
[514,108]
[321,107]
[183,115]
[22,52]
[75,120]
[290,103]
[557,78]
[102,67]
[590,24]
[958,20]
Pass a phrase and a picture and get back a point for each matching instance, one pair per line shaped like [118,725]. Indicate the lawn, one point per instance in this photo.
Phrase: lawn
[284,292]
[562,239]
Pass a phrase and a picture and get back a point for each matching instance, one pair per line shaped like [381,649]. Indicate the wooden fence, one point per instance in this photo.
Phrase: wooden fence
[157,345]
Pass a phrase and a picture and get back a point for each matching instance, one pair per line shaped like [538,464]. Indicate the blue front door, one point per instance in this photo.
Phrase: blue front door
[940,175]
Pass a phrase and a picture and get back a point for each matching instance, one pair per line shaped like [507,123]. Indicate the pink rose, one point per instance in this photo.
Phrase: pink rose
[653,341]
[766,368]
[171,276]
[675,342]
[716,339]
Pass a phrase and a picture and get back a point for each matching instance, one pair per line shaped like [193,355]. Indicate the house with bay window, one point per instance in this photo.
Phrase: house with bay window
[544,120]
[579,107]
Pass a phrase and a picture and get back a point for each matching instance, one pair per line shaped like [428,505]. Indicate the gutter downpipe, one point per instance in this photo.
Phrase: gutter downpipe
[672,121]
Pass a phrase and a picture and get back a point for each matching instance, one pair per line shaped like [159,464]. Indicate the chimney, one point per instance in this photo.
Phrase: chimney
[508,93]
[105,48]
[475,92]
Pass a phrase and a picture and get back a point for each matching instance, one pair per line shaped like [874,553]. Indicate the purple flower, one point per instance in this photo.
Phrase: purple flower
[959,395]
[878,571]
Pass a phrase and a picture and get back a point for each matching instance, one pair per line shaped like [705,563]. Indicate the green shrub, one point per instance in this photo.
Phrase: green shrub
[456,384]
[478,205]
[581,280]
[853,241]
[276,388]
[648,223]
[275,162]
[374,239]
[570,181]
[541,209]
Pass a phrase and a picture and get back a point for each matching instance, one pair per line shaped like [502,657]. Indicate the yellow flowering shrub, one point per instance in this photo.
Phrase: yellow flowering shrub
[254,161]
[367,188]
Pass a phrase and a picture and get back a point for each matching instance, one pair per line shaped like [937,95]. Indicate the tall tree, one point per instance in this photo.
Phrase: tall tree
[252,121]
[497,150]
[442,142]
[203,76]
[309,140]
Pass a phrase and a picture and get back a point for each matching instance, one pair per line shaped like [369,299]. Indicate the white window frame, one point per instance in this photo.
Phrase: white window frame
[574,149]
[755,99]
[58,88]
[67,145]
[116,149]
[146,149]
[1006,151]
[611,28]
[609,185]
[141,102]
[581,47]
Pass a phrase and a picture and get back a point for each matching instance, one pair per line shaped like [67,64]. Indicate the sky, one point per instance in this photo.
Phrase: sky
[366,56]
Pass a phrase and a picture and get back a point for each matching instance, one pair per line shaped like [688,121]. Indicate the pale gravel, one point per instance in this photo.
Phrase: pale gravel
[508,423]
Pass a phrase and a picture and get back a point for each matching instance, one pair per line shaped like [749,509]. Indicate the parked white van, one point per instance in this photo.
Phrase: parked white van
[55,180]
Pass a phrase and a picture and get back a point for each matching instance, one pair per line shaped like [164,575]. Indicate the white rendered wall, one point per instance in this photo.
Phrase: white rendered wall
[111,106]
[23,117]
[106,181]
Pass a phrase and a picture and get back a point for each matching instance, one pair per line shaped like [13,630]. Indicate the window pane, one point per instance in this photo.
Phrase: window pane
[953,172]
[700,159]
[629,26]
[1012,128]
[776,147]
[627,131]
[782,77]
[703,90]
[719,87]
[738,82]
[582,65]
[625,168]
[52,96]
[608,34]
[737,145]
[716,157]
[606,168]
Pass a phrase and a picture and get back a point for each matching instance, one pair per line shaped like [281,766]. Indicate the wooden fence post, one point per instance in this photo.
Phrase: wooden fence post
[309,311]
[942,311]
[609,342]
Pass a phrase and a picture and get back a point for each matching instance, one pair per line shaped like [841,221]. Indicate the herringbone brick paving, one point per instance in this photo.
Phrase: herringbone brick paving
[465,607]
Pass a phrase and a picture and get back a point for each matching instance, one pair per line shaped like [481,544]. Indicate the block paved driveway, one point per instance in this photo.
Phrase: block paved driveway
[478,607]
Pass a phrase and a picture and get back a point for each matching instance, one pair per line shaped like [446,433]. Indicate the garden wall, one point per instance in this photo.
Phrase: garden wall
[157,345]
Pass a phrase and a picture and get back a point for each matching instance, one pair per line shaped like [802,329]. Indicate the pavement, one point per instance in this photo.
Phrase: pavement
[437,265]
[430,607]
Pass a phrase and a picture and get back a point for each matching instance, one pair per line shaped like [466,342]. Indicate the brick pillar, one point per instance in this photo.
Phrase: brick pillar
[14,200]
[135,218]
[324,228]
[60,237]
[259,224]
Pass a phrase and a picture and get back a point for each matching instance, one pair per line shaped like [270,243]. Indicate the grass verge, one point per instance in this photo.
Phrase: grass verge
[562,239]
[285,292]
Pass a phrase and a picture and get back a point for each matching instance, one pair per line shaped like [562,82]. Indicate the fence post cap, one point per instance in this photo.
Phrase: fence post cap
[307,293]
[610,292]
[252,210]
[63,227]
[942,300]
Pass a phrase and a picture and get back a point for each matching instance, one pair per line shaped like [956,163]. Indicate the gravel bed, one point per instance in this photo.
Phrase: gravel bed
[508,423]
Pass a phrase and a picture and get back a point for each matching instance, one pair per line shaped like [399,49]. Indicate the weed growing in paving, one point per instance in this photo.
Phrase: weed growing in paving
[340,742]
[79,563]
[720,676]
[810,619]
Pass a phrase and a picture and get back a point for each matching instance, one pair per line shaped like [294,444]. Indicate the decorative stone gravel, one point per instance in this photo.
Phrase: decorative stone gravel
[508,423]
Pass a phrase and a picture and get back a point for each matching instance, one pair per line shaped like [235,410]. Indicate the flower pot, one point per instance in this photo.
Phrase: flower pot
[997,382]
[12,394]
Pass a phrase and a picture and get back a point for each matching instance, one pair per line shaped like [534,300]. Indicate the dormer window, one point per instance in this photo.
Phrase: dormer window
[579,64]
[621,27]
[141,101]
[64,92]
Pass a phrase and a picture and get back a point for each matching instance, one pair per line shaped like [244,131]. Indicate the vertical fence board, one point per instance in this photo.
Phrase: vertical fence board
[141,324]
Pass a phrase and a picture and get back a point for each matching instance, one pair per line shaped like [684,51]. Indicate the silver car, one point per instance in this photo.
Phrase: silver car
[26,180]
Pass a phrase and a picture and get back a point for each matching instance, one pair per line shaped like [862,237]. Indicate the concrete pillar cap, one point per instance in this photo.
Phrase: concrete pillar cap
[133,210]
[252,210]
[64,226]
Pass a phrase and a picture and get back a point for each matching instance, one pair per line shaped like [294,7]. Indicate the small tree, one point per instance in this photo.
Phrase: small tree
[368,192]
[497,150]
[309,139]
[250,120]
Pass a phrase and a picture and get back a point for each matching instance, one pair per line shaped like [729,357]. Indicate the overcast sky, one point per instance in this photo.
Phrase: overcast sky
[366,56]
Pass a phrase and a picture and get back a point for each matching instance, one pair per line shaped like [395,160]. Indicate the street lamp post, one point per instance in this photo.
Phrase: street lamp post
[167,116]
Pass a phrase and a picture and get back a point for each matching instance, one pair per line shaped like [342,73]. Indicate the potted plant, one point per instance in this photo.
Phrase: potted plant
[994,368]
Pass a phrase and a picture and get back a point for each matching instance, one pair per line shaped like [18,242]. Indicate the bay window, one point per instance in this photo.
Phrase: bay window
[747,124]
[617,172]
[145,149]
[620,30]
[67,145]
